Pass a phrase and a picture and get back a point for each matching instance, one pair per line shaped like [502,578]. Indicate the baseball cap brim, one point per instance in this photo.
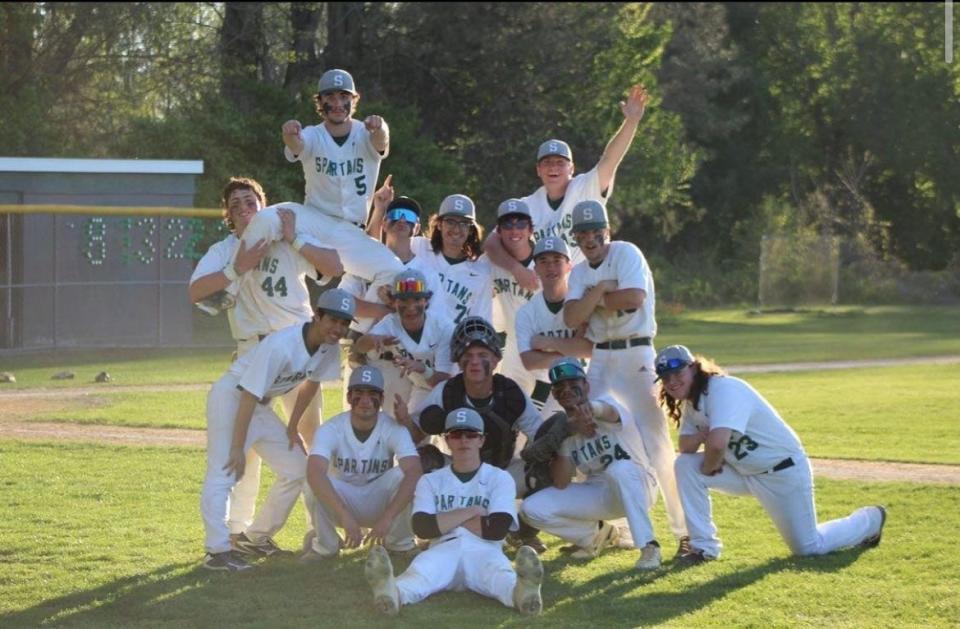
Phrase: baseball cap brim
[583,227]
[337,314]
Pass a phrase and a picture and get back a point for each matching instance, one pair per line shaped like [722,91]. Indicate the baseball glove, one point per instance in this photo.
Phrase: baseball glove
[431,458]
[541,451]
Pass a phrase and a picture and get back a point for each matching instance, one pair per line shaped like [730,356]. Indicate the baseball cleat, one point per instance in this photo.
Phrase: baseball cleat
[874,540]
[693,558]
[607,535]
[379,573]
[649,557]
[228,561]
[246,546]
[684,547]
[526,593]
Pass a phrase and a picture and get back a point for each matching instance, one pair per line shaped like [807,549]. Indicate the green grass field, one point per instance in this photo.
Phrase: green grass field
[883,413]
[730,336]
[98,536]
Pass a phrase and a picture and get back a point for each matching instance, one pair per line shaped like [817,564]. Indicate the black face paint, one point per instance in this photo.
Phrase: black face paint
[487,370]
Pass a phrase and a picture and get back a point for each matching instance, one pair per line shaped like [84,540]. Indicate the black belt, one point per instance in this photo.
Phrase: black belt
[782,465]
[624,343]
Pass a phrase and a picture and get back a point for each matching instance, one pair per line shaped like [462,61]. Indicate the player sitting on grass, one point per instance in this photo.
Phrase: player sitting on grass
[465,509]
[604,444]
[240,417]
[747,450]
[363,469]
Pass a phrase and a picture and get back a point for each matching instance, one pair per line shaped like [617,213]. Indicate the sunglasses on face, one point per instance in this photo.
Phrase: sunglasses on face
[453,223]
[464,434]
[667,367]
[515,223]
[402,214]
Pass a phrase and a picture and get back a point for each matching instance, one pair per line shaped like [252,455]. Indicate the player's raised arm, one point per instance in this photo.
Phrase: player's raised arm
[291,132]
[633,109]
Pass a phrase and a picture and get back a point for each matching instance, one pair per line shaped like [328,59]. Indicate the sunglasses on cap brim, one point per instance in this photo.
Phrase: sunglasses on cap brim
[566,371]
[670,366]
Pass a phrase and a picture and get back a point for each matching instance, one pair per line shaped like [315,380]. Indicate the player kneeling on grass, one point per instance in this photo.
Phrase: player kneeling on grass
[603,443]
[353,475]
[747,450]
[240,417]
[465,510]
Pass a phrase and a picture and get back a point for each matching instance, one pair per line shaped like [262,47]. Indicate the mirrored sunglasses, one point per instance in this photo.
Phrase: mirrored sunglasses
[464,434]
[402,214]
[670,365]
[409,286]
[565,371]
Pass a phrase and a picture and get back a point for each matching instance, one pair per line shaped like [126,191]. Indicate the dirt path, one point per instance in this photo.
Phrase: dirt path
[827,468]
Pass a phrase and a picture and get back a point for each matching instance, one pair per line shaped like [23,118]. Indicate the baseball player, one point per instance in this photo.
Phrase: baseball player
[612,291]
[411,346]
[747,450]
[269,285]
[551,206]
[465,510]
[240,417]
[362,469]
[605,445]
[341,162]
[453,253]
[505,408]
[515,229]
[541,334]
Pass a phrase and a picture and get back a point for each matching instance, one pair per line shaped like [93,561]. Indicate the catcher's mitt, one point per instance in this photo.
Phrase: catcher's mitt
[431,458]
[541,451]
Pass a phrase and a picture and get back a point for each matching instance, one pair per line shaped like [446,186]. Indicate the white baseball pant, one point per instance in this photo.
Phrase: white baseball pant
[623,489]
[360,254]
[367,503]
[465,562]
[243,499]
[268,436]
[786,496]
[628,375]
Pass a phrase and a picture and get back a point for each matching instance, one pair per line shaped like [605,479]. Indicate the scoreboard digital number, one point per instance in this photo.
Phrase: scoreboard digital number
[137,240]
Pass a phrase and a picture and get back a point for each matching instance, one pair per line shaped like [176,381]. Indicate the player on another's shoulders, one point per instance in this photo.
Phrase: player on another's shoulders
[552,204]
[363,469]
[747,448]
[240,418]
[465,510]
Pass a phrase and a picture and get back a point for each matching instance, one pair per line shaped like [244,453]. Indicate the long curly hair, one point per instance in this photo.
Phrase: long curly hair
[471,248]
[705,369]
[239,183]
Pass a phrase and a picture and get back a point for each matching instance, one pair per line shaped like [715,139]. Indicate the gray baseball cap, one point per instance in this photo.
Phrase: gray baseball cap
[566,368]
[337,303]
[671,359]
[551,244]
[463,419]
[336,81]
[366,377]
[458,205]
[513,206]
[410,283]
[554,147]
[589,215]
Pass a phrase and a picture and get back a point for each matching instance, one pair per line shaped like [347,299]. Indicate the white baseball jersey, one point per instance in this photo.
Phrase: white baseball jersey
[215,259]
[625,264]
[340,180]
[759,438]
[508,298]
[281,362]
[540,318]
[433,348]
[550,222]
[465,286]
[612,442]
[441,491]
[356,462]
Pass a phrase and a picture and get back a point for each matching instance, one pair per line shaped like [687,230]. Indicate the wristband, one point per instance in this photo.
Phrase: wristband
[231,273]
[298,242]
